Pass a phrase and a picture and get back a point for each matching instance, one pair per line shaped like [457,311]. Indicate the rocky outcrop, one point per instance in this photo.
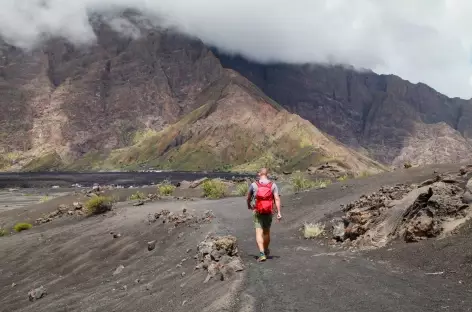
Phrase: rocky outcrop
[219,256]
[393,119]
[410,212]
[176,219]
[37,293]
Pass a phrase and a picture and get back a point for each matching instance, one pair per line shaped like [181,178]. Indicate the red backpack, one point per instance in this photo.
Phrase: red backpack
[264,198]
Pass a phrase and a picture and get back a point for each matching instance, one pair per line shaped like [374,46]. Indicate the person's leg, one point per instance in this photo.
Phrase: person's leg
[258,225]
[266,235]
[266,225]
[260,239]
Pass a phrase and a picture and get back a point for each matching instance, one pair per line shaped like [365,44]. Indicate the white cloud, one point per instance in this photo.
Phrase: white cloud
[420,40]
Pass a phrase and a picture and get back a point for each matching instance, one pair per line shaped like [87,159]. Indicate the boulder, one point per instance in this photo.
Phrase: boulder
[37,293]
[219,256]
[197,183]
[119,269]
[236,264]
[151,245]
[339,231]
[77,205]
[216,254]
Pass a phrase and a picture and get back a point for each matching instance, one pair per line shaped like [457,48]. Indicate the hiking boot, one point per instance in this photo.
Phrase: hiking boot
[267,252]
[262,257]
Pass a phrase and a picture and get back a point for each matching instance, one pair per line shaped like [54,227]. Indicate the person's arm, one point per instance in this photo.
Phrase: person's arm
[249,197]
[277,202]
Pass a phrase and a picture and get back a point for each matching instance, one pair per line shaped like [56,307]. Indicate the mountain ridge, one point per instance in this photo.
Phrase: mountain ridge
[162,100]
[366,111]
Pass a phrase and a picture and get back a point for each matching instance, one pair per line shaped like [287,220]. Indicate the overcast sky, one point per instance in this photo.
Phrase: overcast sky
[420,40]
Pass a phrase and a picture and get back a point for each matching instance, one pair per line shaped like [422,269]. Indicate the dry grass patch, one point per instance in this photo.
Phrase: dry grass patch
[137,196]
[313,230]
[44,199]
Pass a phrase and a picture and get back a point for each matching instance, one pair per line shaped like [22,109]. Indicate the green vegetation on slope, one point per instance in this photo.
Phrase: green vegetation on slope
[92,160]
[200,141]
[47,162]
[4,163]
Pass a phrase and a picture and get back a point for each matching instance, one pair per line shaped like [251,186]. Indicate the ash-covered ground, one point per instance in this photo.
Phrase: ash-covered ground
[186,253]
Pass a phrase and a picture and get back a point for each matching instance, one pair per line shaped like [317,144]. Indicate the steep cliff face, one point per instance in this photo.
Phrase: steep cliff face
[238,126]
[385,115]
[162,99]
[78,100]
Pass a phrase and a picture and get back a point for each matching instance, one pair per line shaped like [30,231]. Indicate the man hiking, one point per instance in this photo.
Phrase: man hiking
[264,193]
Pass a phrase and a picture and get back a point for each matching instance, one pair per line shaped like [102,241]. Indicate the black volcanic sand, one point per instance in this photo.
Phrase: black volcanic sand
[66,179]
[23,205]
[22,198]
[75,261]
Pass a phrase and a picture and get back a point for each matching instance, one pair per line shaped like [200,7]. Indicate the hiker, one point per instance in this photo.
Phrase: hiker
[264,193]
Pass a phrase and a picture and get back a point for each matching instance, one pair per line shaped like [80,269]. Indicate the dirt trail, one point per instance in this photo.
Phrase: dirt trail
[76,262]
[305,276]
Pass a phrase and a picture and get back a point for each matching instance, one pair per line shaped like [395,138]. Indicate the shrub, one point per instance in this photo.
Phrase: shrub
[44,199]
[300,183]
[99,205]
[214,189]
[3,232]
[137,195]
[311,230]
[166,188]
[342,178]
[407,165]
[22,227]
[242,188]
[321,183]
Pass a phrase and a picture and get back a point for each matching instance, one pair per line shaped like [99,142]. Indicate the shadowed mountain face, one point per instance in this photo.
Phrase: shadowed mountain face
[393,119]
[162,100]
